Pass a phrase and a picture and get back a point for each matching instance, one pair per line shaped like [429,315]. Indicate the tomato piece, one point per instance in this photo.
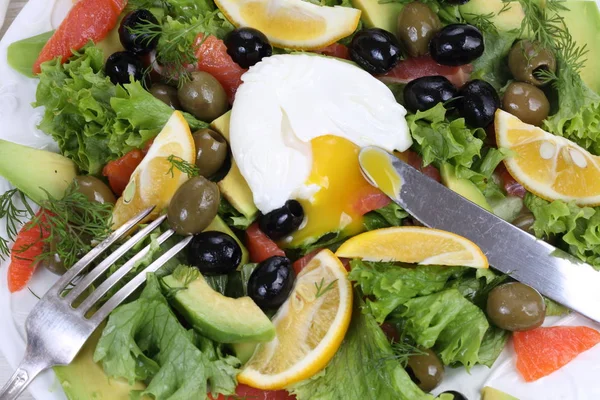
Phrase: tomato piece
[542,351]
[418,67]
[87,20]
[28,246]
[119,171]
[510,185]
[335,50]
[415,160]
[259,245]
[250,393]
[213,58]
[300,263]
[371,200]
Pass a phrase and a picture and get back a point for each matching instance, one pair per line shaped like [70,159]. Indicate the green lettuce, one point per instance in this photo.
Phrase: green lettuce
[492,345]
[439,141]
[492,66]
[385,217]
[389,285]
[448,323]
[91,119]
[578,227]
[232,216]
[144,341]
[365,367]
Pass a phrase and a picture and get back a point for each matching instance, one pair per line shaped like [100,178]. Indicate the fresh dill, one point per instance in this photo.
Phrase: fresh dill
[14,216]
[72,224]
[483,22]
[322,289]
[187,168]
[403,350]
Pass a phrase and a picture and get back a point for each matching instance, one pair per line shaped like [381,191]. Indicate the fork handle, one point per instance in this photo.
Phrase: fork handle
[25,373]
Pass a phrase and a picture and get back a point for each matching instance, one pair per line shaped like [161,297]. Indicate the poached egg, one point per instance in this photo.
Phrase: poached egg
[297,125]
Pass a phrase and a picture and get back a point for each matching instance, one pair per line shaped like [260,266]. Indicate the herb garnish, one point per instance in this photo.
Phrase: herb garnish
[14,216]
[322,289]
[187,168]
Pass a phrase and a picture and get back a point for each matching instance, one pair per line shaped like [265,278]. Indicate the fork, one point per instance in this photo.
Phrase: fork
[59,325]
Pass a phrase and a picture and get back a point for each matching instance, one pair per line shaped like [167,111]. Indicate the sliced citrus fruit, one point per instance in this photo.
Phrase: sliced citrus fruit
[413,244]
[310,327]
[294,24]
[549,166]
[542,351]
[155,181]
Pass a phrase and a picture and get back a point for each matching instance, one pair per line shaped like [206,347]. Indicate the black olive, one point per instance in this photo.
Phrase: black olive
[424,93]
[135,42]
[214,253]
[456,44]
[377,51]
[478,102]
[122,67]
[271,282]
[456,2]
[247,46]
[457,395]
[282,221]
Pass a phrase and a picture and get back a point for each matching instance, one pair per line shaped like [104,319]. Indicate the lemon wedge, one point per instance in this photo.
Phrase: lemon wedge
[293,24]
[413,244]
[310,327]
[549,166]
[154,182]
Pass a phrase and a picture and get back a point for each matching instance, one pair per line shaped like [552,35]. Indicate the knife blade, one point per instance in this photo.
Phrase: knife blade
[553,272]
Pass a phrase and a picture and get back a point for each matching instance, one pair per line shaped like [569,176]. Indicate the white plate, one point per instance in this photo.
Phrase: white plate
[578,380]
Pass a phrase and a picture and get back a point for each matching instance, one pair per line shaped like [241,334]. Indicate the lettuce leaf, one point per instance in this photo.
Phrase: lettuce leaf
[448,323]
[492,66]
[364,367]
[578,227]
[385,217]
[143,340]
[492,345]
[439,141]
[91,119]
[390,285]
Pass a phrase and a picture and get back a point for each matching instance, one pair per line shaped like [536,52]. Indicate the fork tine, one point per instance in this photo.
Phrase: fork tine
[133,284]
[98,270]
[79,266]
[118,274]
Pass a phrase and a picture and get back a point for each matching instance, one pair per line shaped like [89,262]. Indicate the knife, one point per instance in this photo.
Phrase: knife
[554,273]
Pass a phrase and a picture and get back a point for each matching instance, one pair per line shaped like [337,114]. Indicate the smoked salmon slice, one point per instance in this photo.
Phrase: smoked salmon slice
[418,67]
[87,20]
[542,351]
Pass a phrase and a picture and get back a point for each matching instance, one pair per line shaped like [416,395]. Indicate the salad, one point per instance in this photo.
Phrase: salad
[242,122]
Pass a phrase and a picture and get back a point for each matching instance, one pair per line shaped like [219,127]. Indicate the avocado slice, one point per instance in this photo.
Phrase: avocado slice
[220,318]
[234,187]
[464,187]
[379,15]
[50,172]
[507,20]
[219,225]
[489,393]
[85,379]
[244,351]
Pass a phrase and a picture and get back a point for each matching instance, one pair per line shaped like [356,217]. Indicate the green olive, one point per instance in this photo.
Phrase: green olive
[526,102]
[427,370]
[527,58]
[194,206]
[95,190]
[203,96]
[167,94]
[516,307]
[53,263]
[417,23]
[211,151]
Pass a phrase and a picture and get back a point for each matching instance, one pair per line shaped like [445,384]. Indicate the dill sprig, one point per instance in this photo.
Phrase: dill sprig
[483,22]
[73,223]
[14,216]
[187,168]
[322,289]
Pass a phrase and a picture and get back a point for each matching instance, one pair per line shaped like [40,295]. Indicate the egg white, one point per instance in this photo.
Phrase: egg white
[285,101]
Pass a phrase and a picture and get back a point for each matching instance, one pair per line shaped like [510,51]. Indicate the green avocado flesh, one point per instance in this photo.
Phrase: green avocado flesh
[379,15]
[510,18]
[219,225]
[489,393]
[220,318]
[464,187]
[36,173]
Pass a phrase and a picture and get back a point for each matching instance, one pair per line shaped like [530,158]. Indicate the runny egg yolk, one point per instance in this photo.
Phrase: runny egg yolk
[335,207]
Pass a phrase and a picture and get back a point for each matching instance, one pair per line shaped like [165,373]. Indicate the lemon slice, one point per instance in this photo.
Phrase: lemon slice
[294,24]
[412,244]
[310,327]
[549,166]
[153,182]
